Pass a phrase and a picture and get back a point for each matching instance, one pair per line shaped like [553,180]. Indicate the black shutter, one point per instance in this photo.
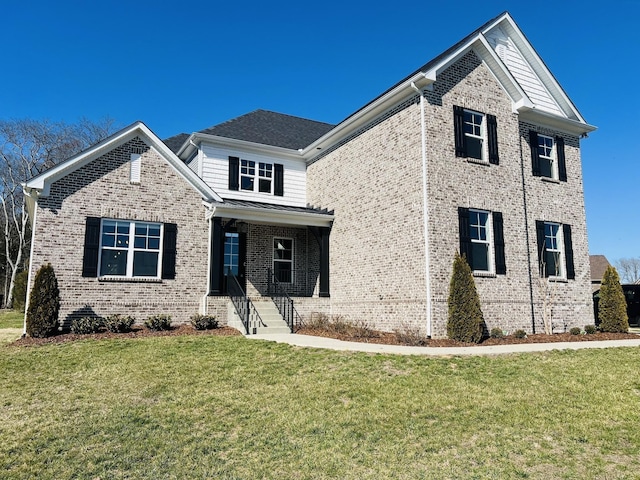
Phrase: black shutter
[498,241]
[492,134]
[542,248]
[465,235]
[458,129]
[169,251]
[234,173]
[535,157]
[562,164]
[568,252]
[91,247]
[278,179]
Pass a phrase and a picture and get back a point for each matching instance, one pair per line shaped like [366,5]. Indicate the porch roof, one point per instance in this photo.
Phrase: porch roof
[265,213]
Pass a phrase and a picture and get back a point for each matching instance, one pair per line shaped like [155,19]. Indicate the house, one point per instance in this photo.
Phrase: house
[598,264]
[478,151]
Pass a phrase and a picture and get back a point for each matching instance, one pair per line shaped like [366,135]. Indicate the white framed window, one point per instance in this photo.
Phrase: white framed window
[553,254]
[480,232]
[130,249]
[474,131]
[283,259]
[265,174]
[547,156]
[247,174]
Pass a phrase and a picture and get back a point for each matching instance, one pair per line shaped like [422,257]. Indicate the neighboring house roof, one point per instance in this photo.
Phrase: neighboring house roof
[174,143]
[271,128]
[599,264]
[40,184]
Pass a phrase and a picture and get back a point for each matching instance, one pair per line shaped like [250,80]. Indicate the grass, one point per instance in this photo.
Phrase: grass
[11,319]
[229,408]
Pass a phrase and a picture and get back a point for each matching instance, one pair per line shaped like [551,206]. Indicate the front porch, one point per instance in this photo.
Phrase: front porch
[265,254]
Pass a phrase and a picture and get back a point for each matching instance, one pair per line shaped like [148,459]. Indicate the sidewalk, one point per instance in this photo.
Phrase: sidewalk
[333,344]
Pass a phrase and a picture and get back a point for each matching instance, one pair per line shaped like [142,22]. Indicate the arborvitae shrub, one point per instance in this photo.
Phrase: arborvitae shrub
[204,322]
[119,323]
[44,304]
[158,322]
[612,307]
[465,322]
[20,291]
[86,325]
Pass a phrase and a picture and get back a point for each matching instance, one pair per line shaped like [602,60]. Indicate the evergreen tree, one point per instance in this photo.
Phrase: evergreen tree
[612,307]
[44,304]
[465,323]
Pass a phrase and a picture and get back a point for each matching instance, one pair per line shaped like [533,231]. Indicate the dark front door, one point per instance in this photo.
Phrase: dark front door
[235,258]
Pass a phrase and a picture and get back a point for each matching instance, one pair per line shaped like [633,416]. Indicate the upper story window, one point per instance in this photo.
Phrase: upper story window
[263,178]
[555,250]
[476,135]
[482,240]
[547,156]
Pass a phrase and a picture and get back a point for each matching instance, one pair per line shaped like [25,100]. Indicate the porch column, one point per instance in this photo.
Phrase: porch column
[324,262]
[217,257]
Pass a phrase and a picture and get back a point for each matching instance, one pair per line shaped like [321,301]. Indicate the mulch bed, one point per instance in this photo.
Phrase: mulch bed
[391,339]
[136,332]
[375,337]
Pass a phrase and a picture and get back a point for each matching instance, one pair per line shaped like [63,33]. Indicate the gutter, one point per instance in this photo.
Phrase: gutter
[425,208]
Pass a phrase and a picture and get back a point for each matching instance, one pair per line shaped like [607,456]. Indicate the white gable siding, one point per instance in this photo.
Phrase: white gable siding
[522,72]
[215,171]
[194,164]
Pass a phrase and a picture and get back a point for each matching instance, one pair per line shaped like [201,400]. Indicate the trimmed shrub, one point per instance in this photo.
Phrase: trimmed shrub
[204,322]
[465,323]
[86,325]
[612,307]
[158,322]
[44,305]
[20,291]
[496,333]
[575,330]
[520,334]
[590,329]
[119,323]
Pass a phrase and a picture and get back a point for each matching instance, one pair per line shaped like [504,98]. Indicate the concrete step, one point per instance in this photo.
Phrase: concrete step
[268,313]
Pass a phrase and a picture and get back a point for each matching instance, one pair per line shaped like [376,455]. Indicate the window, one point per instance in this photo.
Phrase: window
[130,249]
[231,253]
[476,135]
[283,259]
[247,174]
[555,250]
[482,240]
[264,177]
[547,156]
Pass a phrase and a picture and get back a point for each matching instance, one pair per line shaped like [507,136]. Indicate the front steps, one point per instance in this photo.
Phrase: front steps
[268,312]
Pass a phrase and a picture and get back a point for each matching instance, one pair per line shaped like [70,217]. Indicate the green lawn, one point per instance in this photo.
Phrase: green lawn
[11,319]
[229,408]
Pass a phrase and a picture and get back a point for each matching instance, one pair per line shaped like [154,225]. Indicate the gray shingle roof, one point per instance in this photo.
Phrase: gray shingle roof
[271,128]
[174,143]
[599,264]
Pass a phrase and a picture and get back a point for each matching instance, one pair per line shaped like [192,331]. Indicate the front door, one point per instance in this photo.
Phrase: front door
[235,258]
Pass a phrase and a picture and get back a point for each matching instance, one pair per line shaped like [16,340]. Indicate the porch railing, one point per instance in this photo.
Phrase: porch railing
[296,283]
[283,302]
[244,306]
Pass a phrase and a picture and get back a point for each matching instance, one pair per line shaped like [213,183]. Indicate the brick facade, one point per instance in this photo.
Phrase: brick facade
[102,189]
[373,182]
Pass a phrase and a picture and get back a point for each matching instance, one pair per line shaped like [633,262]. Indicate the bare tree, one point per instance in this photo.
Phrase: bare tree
[27,148]
[629,269]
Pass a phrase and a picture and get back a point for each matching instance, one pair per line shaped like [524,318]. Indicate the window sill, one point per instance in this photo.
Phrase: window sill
[130,279]
[550,180]
[478,161]
[484,274]
[558,280]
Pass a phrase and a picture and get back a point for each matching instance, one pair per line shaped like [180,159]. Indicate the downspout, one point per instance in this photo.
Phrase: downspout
[205,298]
[425,209]
[29,275]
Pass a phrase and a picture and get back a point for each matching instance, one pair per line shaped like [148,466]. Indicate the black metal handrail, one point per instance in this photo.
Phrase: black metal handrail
[244,306]
[283,302]
[297,283]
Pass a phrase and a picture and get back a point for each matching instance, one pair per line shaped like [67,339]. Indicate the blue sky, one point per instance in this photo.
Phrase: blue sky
[184,66]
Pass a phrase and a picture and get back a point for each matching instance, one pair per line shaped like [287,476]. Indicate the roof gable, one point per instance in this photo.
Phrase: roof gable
[42,182]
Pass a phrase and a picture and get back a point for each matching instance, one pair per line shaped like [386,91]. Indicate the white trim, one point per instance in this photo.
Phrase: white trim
[489,242]
[270,217]
[29,275]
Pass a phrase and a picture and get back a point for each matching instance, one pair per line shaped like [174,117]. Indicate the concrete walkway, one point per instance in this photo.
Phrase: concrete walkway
[333,344]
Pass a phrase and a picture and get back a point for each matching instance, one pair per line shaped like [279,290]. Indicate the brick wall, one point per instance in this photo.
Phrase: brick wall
[102,189]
